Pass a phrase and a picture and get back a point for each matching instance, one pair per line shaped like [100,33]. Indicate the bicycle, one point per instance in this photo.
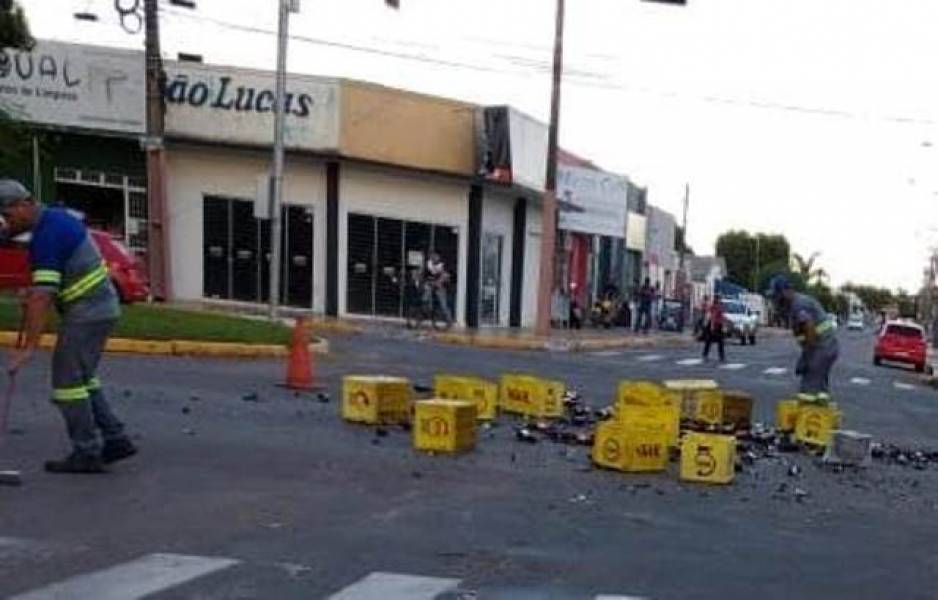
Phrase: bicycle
[427,308]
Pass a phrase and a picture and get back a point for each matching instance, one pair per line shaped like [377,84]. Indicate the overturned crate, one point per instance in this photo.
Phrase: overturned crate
[700,400]
[376,399]
[444,425]
[665,419]
[458,387]
[531,396]
[708,458]
[849,448]
[641,393]
[623,448]
[816,424]
[737,409]
[786,415]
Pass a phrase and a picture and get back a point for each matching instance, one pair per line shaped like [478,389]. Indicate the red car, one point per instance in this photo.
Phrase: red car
[123,266]
[901,341]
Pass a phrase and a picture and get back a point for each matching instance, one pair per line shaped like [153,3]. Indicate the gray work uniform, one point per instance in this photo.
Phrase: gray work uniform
[66,263]
[816,362]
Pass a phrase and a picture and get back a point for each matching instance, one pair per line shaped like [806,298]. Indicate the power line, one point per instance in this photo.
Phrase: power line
[578,77]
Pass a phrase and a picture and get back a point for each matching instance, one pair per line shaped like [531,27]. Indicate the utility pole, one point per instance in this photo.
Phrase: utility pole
[276,197]
[549,210]
[755,273]
[157,242]
[681,270]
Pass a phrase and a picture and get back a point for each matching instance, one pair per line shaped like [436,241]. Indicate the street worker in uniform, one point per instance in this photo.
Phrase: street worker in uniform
[814,330]
[68,272]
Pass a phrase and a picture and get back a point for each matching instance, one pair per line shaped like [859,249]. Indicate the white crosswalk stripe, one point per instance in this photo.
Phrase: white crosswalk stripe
[604,353]
[733,366]
[609,597]
[860,381]
[650,358]
[131,580]
[395,586]
[690,362]
[775,371]
[903,386]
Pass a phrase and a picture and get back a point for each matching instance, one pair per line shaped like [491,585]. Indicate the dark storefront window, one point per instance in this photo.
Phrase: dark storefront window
[382,252]
[236,253]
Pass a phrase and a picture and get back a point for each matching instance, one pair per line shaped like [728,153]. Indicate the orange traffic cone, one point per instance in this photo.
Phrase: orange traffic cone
[300,362]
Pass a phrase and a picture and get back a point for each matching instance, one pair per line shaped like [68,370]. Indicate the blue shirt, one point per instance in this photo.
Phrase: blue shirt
[63,257]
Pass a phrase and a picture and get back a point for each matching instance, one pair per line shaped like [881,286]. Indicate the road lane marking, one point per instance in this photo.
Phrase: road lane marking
[903,386]
[690,362]
[131,580]
[733,366]
[650,358]
[610,597]
[775,371]
[860,381]
[607,353]
[395,586]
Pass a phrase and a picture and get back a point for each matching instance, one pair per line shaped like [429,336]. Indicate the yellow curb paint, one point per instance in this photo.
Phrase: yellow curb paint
[182,347]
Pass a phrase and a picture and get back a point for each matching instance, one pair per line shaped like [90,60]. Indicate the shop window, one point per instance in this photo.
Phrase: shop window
[236,253]
[383,252]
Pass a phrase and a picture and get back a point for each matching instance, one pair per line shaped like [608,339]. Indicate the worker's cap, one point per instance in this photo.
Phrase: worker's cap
[779,284]
[12,191]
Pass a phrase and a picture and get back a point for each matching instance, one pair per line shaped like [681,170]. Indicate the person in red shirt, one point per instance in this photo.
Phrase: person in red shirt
[713,328]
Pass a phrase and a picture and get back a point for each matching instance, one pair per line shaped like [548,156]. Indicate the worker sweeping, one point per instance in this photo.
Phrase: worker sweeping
[68,272]
[814,330]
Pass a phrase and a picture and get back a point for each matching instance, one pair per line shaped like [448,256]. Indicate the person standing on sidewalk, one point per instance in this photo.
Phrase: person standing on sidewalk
[69,273]
[437,278]
[646,295]
[713,328]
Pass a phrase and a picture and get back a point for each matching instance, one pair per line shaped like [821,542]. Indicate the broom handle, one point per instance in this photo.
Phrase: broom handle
[11,382]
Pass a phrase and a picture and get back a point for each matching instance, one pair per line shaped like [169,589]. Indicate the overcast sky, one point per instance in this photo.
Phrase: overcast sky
[817,119]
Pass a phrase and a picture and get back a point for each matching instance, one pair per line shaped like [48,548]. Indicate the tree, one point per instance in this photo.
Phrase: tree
[14,34]
[805,267]
[751,258]
[14,30]
[875,298]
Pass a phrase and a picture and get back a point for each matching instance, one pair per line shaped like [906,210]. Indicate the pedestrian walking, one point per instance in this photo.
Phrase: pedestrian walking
[713,328]
[814,330]
[69,273]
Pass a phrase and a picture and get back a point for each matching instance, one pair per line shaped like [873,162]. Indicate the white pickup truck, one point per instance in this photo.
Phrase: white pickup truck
[739,321]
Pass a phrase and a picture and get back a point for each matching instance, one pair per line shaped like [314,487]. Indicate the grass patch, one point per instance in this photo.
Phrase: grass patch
[154,322]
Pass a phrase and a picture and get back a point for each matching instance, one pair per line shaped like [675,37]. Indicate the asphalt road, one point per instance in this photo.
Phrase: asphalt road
[276,497]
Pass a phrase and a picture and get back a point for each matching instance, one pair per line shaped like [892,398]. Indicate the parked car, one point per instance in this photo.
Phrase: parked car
[671,316]
[855,323]
[740,321]
[901,341]
[123,266]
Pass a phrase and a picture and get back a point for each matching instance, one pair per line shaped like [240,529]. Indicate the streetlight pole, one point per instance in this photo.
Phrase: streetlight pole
[549,210]
[276,197]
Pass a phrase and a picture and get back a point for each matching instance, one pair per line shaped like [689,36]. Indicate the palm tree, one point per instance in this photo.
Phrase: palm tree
[807,270]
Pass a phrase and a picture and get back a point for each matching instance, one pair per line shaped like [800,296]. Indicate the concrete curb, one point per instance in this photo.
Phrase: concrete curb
[181,347]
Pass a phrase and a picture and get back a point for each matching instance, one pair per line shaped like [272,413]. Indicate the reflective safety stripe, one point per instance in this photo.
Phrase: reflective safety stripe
[84,285]
[824,327]
[807,397]
[70,394]
[41,276]
[93,384]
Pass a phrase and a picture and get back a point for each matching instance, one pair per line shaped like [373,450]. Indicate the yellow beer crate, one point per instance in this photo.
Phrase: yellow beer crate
[641,393]
[444,425]
[786,415]
[623,448]
[376,399]
[664,419]
[532,396]
[708,458]
[700,400]
[737,408]
[456,387]
[816,424]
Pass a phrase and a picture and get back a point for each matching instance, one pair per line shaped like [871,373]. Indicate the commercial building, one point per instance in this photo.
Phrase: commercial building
[375,179]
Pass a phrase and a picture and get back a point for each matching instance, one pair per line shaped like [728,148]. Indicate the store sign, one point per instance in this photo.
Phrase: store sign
[71,85]
[635,228]
[528,150]
[235,106]
[599,201]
